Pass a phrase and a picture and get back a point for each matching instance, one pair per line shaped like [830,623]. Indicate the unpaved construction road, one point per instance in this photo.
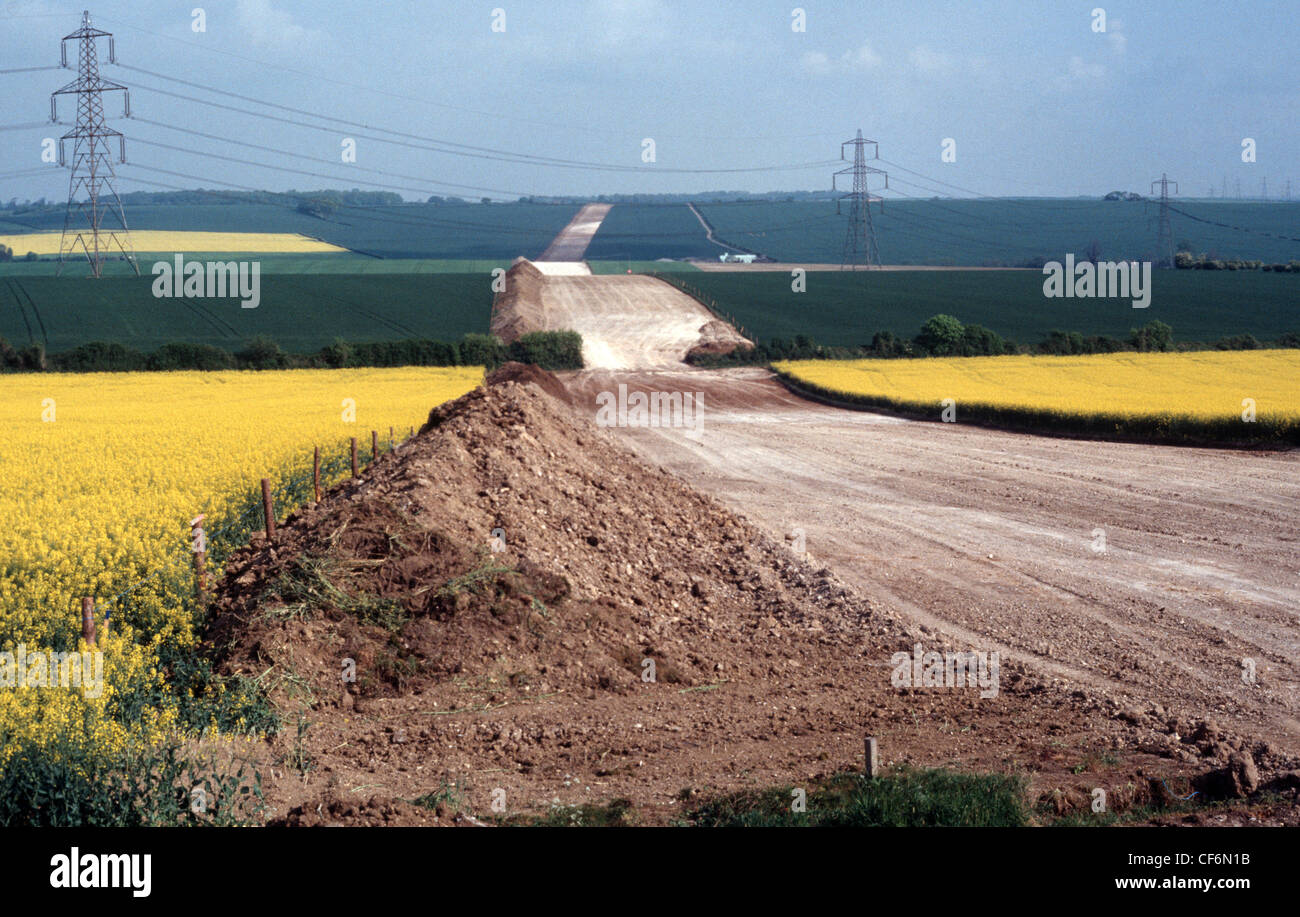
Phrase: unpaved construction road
[571,244]
[627,321]
[1158,575]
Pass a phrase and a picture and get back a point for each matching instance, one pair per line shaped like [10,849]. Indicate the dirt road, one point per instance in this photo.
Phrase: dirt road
[1166,575]
[571,244]
[627,321]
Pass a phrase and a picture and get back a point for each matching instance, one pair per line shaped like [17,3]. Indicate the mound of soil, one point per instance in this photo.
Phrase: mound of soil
[529,374]
[511,613]
[717,338]
[515,310]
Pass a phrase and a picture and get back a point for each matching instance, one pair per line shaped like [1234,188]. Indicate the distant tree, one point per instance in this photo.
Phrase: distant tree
[978,341]
[481,350]
[262,353]
[6,253]
[1093,252]
[940,336]
[1154,335]
[886,344]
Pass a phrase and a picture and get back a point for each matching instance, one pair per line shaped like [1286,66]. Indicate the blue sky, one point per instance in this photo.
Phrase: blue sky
[1037,102]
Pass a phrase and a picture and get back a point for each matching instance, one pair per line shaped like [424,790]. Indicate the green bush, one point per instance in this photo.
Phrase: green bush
[978,341]
[152,788]
[1154,335]
[940,336]
[548,349]
[262,353]
[189,356]
[1238,342]
[99,357]
[908,798]
[482,350]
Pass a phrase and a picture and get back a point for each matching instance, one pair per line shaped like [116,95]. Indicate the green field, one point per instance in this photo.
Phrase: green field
[340,263]
[457,231]
[847,308]
[1004,233]
[301,312]
[646,232]
[642,267]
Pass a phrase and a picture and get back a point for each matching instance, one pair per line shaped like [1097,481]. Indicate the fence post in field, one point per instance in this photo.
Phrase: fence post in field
[199,545]
[390,439]
[871,768]
[315,472]
[88,620]
[374,445]
[354,457]
[412,432]
[268,509]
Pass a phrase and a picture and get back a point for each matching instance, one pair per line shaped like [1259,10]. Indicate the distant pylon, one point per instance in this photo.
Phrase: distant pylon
[1165,232]
[92,161]
[860,238]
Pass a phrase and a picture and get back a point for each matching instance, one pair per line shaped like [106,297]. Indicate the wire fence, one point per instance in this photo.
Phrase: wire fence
[703,299]
[292,487]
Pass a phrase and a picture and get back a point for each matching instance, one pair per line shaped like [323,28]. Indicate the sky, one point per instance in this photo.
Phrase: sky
[1034,97]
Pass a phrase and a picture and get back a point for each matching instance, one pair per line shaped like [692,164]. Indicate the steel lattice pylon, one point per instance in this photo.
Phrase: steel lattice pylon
[92,160]
[1165,230]
[860,239]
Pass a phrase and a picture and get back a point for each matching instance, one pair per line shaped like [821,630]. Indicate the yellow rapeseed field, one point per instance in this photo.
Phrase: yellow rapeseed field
[103,473]
[47,243]
[1214,389]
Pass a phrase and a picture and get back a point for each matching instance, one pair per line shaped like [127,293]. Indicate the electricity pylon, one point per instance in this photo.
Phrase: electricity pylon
[1165,232]
[860,239]
[92,160]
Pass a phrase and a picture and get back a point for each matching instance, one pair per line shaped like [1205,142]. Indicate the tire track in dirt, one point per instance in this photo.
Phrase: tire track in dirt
[917,513]
[1150,572]
[987,536]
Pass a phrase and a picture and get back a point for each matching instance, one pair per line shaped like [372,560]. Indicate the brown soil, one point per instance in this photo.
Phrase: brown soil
[626,321]
[717,338]
[513,668]
[515,309]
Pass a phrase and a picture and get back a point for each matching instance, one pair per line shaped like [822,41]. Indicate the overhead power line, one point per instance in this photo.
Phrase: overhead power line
[440,145]
[514,119]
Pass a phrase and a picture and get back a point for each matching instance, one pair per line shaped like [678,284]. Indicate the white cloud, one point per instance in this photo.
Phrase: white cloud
[864,58]
[854,61]
[269,27]
[618,23]
[1079,72]
[931,62]
[816,62]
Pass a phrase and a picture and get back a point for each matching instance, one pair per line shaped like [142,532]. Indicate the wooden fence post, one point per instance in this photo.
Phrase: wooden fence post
[374,445]
[199,545]
[354,456]
[268,508]
[871,768]
[315,472]
[88,620]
